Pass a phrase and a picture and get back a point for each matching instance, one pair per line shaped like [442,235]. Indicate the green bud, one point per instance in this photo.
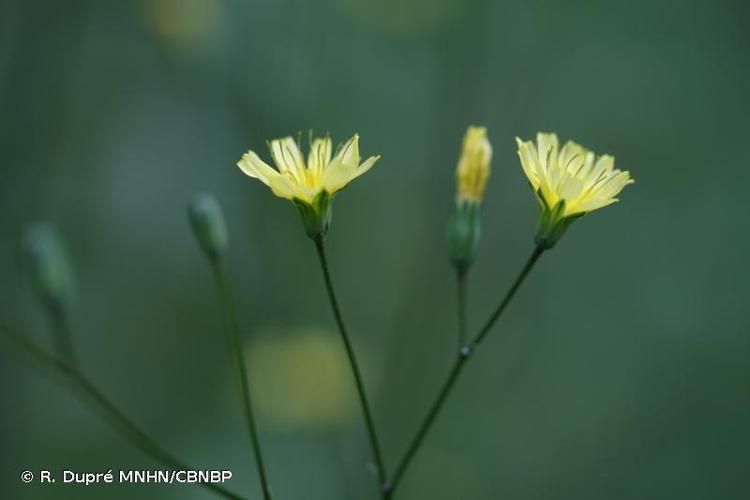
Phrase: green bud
[208,224]
[464,230]
[48,267]
[316,216]
[553,224]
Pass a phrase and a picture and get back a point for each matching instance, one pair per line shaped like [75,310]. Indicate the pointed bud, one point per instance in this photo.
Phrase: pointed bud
[207,220]
[473,169]
[472,173]
[48,267]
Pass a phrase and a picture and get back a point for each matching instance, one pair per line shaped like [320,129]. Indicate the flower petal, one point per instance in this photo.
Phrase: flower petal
[288,157]
[283,187]
[252,165]
[528,156]
[547,145]
[364,167]
[592,204]
[337,175]
[280,184]
[613,185]
[572,157]
[320,155]
[349,152]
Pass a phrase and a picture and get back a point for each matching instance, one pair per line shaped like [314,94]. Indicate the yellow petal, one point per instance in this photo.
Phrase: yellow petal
[528,156]
[602,167]
[570,187]
[547,145]
[613,185]
[282,187]
[337,175]
[364,167]
[288,157]
[572,157]
[253,166]
[320,155]
[349,152]
[592,204]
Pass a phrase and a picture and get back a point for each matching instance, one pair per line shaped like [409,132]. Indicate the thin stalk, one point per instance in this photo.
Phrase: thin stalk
[463,357]
[59,371]
[461,278]
[508,296]
[426,424]
[371,432]
[230,323]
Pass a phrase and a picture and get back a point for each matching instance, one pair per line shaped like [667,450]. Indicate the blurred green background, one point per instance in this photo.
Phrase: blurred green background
[622,369]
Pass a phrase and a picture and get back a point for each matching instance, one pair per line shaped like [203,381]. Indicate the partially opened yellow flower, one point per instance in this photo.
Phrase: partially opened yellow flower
[568,181]
[474,165]
[472,173]
[310,184]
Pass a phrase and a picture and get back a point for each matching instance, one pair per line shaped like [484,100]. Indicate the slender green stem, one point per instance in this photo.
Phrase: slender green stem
[461,278]
[230,322]
[508,296]
[426,423]
[458,366]
[59,370]
[372,433]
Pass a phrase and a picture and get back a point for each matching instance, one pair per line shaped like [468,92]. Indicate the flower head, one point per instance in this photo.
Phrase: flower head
[568,181]
[474,165]
[310,184]
[471,178]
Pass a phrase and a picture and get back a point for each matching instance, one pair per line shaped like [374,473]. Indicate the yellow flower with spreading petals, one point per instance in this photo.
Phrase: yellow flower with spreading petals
[569,181]
[474,165]
[310,184]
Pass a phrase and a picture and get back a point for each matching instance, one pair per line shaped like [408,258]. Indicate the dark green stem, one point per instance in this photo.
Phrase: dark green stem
[508,296]
[60,371]
[427,423]
[230,323]
[461,275]
[458,366]
[372,433]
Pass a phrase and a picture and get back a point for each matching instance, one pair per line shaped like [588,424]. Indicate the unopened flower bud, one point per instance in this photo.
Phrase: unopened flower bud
[207,220]
[464,229]
[48,267]
[473,169]
[472,173]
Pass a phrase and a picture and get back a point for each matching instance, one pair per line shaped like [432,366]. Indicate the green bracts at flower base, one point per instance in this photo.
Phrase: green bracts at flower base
[568,182]
[310,185]
[472,173]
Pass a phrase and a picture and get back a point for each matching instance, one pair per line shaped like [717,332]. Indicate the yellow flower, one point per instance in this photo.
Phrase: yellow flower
[474,165]
[297,180]
[571,174]
[310,184]
[568,181]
